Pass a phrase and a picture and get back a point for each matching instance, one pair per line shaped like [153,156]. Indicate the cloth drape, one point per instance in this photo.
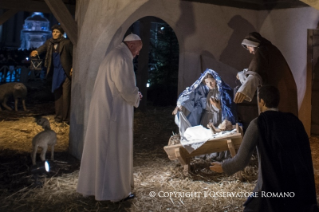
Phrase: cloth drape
[193,98]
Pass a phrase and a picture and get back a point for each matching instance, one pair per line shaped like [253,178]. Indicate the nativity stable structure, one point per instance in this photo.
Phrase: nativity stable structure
[209,34]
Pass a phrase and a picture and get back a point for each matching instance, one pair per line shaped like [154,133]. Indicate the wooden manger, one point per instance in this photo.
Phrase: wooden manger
[222,143]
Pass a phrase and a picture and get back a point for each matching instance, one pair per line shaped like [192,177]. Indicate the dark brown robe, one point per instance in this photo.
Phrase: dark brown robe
[271,65]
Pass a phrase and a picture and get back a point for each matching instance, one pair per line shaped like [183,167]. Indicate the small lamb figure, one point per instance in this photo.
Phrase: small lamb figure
[43,139]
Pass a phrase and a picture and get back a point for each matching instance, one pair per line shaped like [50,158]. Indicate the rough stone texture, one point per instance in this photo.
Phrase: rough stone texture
[209,36]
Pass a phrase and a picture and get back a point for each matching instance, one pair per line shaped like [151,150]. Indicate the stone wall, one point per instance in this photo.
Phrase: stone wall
[209,36]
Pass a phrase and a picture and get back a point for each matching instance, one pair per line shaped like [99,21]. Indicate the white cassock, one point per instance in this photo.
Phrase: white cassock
[107,161]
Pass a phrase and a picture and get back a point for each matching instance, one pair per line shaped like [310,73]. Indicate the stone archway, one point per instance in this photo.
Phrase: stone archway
[102,26]
[156,67]
[112,34]
[115,31]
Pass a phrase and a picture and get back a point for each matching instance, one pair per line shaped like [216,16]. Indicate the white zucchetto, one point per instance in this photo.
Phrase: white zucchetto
[132,37]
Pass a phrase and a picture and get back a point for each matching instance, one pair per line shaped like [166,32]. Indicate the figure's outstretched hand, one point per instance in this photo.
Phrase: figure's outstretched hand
[34,53]
[239,97]
[215,102]
[216,167]
[140,95]
[176,110]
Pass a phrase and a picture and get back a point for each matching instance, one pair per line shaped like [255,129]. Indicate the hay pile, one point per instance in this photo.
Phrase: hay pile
[17,135]
[174,192]
[153,177]
[156,177]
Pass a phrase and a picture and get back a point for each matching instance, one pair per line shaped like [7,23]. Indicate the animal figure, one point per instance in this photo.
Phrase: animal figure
[43,140]
[15,89]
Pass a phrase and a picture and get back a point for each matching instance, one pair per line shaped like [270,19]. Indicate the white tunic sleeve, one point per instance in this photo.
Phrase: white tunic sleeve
[242,76]
[123,77]
[249,87]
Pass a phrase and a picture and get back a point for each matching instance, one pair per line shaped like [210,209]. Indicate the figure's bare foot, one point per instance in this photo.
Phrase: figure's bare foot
[175,110]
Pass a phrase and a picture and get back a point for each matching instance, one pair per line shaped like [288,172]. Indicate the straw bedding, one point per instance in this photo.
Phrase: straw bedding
[154,174]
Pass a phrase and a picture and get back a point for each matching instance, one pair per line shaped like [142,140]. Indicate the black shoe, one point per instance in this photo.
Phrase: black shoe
[130,196]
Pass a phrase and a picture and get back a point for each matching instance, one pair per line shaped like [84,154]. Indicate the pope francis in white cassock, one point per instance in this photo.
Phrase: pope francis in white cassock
[106,170]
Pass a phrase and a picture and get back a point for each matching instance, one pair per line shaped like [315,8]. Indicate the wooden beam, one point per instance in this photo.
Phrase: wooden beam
[7,15]
[66,20]
[29,6]
[312,3]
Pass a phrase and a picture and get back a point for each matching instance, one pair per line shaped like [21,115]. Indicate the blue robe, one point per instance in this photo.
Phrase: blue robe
[193,98]
[58,72]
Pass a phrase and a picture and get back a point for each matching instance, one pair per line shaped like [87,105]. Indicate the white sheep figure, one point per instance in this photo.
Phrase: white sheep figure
[43,139]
